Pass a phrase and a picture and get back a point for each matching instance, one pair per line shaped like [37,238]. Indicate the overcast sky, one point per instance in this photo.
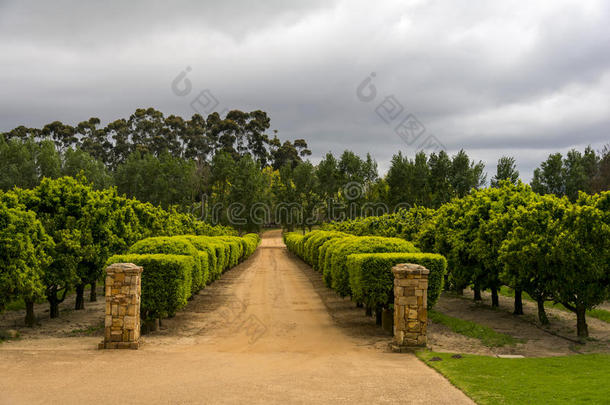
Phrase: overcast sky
[495,78]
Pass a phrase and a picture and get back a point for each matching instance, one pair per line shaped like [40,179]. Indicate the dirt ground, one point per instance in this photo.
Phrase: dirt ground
[559,338]
[268,331]
[71,323]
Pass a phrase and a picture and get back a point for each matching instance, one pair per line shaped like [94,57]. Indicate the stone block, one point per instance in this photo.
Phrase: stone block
[410,315]
[122,321]
[407,282]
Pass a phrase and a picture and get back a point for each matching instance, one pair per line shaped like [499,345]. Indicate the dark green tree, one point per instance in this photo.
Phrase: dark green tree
[506,170]
[24,256]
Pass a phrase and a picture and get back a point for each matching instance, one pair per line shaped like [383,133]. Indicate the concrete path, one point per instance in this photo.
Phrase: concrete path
[261,334]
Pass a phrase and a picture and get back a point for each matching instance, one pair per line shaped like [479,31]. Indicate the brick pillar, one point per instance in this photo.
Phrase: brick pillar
[122,323]
[410,301]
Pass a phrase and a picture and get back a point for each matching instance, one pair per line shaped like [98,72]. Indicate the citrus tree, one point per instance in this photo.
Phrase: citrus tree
[24,247]
[582,256]
[527,253]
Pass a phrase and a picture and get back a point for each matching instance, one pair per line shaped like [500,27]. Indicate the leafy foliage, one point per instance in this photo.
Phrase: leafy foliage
[176,267]
[372,282]
[24,255]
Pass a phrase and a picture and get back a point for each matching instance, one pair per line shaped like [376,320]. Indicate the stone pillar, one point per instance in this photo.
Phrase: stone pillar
[410,301]
[122,323]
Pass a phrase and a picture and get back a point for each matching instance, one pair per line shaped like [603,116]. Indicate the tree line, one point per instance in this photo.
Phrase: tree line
[545,245]
[56,238]
[230,170]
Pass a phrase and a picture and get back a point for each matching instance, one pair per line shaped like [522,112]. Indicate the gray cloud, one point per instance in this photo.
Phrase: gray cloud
[493,78]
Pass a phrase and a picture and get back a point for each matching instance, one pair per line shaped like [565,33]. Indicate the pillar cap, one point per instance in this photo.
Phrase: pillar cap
[409,269]
[124,268]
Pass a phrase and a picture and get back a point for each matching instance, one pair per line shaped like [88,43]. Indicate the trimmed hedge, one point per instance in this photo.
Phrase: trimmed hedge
[177,245]
[361,266]
[216,249]
[335,269]
[372,282]
[250,242]
[294,242]
[328,252]
[176,267]
[166,282]
[313,244]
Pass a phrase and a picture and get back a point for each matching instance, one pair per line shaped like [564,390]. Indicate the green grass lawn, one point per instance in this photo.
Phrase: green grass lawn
[577,379]
[598,313]
[486,335]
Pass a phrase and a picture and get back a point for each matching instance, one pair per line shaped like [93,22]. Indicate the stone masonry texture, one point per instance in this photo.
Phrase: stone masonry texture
[410,301]
[122,322]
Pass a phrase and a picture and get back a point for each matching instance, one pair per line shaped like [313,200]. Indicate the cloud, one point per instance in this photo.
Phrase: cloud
[490,77]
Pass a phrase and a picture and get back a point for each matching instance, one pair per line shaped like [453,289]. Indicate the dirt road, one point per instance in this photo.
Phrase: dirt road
[267,332]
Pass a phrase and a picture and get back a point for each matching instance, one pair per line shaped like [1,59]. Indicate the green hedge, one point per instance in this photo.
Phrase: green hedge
[216,249]
[294,242]
[178,245]
[236,248]
[313,244]
[166,281]
[329,251]
[335,267]
[176,267]
[372,282]
[250,241]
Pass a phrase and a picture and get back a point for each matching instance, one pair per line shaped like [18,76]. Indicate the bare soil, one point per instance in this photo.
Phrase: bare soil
[556,339]
[267,331]
[71,323]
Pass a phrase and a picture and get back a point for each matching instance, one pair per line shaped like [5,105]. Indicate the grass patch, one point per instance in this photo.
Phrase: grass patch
[597,313]
[577,379]
[486,335]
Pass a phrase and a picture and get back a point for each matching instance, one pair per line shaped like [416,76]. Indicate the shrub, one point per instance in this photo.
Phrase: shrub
[216,249]
[323,251]
[372,282]
[315,242]
[293,241]
[166,281]
[177,245]
[250,241]
[236,247]
[337,265]
[404,224]
[175,267]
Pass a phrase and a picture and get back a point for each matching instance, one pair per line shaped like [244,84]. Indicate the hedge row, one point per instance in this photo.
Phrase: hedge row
[361,267]
[176,267]
[372,282]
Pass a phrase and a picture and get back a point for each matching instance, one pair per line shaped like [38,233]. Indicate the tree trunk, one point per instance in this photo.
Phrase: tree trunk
[518,303]
[581,322]
[30,319]
[378,318]
[495,302]
[53,307]
[80,297]
[541,313]
[54,301]
[477,292]
[369,311]
[93,296]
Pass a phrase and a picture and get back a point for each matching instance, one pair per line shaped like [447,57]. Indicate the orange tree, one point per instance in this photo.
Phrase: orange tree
[24,247]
